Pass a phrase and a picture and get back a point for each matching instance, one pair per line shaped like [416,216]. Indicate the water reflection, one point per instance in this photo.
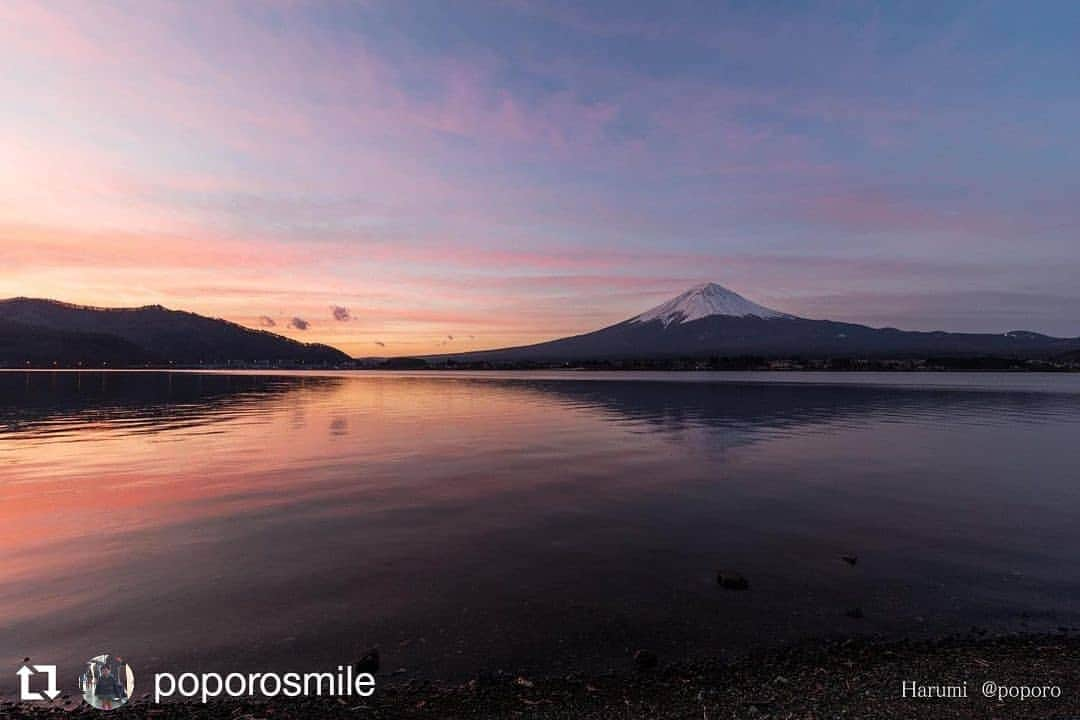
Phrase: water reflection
[41,402]
[520,522]
[774,406]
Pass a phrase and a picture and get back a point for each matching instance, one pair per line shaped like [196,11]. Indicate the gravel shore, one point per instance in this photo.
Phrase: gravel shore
[825,679]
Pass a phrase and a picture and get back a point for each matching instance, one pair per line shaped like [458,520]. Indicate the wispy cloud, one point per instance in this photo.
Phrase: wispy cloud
[299,323]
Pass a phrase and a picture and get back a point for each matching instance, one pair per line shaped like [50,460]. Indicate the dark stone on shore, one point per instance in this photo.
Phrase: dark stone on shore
[369,662]
[732,581]
[850,559]
[645,660]
[855,613]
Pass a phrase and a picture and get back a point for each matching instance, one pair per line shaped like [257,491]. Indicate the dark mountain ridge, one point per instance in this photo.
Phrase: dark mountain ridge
[702,322]
[706,321]
[40,331]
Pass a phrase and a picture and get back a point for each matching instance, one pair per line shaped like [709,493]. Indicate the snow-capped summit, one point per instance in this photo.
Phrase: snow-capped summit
[704,300]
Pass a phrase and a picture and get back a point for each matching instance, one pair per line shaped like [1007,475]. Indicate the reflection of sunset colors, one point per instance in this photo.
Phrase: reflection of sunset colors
[257,522]
[509,173]
[132,472]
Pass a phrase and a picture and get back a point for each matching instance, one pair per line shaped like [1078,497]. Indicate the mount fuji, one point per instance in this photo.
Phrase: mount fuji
[710,320]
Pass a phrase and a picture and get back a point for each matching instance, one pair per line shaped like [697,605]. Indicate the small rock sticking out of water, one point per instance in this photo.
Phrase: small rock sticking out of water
[732,581]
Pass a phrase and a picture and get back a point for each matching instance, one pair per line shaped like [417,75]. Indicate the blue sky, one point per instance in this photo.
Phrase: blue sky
[510,172]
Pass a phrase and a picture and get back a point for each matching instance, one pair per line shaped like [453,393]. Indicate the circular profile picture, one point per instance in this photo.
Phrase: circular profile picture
[107,682]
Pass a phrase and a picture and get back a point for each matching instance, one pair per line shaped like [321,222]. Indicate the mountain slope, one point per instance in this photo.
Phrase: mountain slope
[75,333]
[709,320]
[38,346]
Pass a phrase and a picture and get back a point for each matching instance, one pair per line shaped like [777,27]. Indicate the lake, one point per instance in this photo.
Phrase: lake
[534,522]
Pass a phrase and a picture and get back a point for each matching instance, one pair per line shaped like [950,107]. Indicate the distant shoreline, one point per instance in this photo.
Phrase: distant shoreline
[695,331]
[391,367]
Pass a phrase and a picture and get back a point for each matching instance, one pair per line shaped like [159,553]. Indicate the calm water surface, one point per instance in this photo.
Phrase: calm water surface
[535,523]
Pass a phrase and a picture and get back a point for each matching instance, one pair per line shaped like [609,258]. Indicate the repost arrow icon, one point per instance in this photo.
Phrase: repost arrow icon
[24,673]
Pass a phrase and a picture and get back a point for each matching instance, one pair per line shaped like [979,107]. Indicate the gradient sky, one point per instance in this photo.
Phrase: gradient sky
[405,177]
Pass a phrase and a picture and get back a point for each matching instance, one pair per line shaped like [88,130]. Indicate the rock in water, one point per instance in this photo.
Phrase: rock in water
[645,659]
[369,662]
[732,581]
